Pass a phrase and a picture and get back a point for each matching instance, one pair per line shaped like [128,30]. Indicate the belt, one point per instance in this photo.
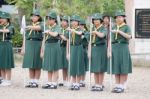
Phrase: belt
[98,44]
[34,39]
[52,41]
[120,42]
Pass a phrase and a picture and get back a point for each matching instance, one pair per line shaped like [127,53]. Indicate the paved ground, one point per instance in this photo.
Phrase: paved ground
[138,88]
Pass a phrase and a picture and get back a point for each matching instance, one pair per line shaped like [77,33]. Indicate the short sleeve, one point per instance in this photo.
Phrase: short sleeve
[128,30]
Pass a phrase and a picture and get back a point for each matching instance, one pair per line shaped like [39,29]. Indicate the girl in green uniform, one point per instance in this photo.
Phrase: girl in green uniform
[63,43]
[31,49]
[52,52]
[85,47]
[6,49]
[121,59]
[98,52]
[77,64]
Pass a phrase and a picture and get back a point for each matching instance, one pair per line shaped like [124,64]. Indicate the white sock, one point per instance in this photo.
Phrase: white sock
[97,85]
[36,80]
[121,86]
[77,84]
[73,84]
[32,80]
[54,83]
[49,83]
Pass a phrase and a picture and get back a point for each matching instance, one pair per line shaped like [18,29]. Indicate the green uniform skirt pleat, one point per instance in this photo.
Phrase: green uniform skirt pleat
[86,59]
[99,59]
[121,59]
[64,59]
[52,57]
[32,55]
[6,55]
[77,64]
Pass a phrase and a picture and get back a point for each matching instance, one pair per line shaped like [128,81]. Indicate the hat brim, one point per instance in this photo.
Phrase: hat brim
[119,15]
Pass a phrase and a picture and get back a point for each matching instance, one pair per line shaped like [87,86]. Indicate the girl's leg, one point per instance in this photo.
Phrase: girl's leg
[8,74]
[50,76]
[101,78]
[96,78]
[37,75]
[31,74]
[65,74]
[3,74]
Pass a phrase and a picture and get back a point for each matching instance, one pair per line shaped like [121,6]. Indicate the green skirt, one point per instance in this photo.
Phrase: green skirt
[32,55]
[52,57]
[77,64]
[86,59]
[64,59]
[6,55]
[99,59]
[121,59]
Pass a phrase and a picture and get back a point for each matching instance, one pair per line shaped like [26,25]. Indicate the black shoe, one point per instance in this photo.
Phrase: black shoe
[98,89]
[29,85]
[71,87]
[61,84]
[76,87]
[119,90]
[34,85]
[53,86]
[114,90]
[46,86]
[82,84]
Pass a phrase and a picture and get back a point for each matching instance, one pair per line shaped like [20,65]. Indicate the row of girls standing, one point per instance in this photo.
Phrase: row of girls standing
[47,49]
[56,51]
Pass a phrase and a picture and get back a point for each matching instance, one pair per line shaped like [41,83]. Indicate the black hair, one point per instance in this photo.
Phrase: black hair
[40,18]
[48,17]
[106,16]
[85,26]
[101,21]
[63,20]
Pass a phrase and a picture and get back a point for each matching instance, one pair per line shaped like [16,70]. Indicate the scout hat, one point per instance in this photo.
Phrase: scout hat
[36,12]
[97,16]
[64,18]
[75,18]
[52,14]
[82,22]
[5,15]
[119,13]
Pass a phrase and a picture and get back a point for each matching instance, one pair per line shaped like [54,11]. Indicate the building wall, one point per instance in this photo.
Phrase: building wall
[139,46]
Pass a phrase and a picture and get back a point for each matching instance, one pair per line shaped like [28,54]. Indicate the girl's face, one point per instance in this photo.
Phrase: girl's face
[96,22]
[64,23]
[51,21]
[81,26]
[120,19]
[35,18]
[4,21]
[74,24]
[106,20]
